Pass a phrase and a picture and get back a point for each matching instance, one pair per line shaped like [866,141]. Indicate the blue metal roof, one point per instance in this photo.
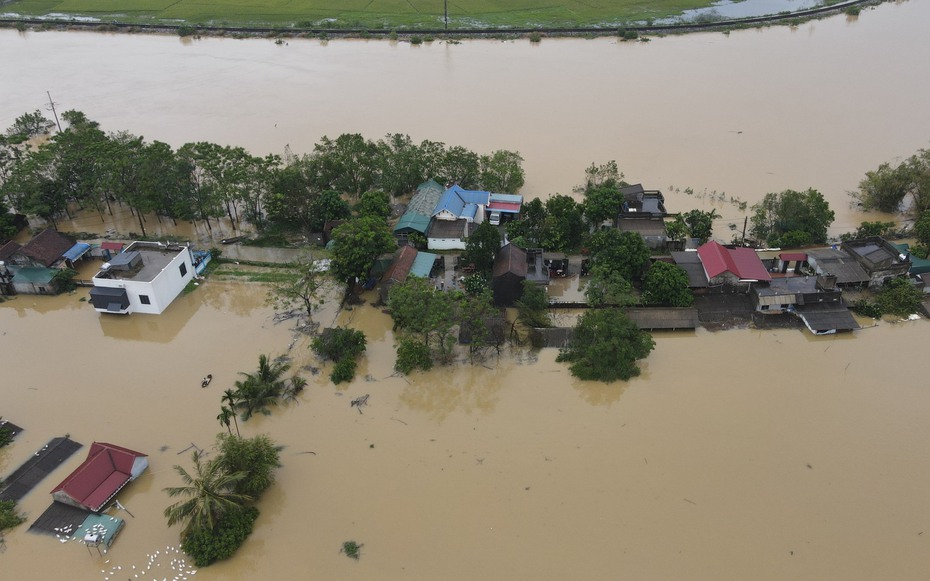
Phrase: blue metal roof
[455,199]
[77,251]
[423,264]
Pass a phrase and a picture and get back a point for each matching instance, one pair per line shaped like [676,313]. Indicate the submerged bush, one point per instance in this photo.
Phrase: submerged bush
[208,546]
[413,354]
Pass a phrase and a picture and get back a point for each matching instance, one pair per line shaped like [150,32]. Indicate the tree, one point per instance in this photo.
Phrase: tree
[417,307]
[343,346]
[481,248]
[229,400]
[460,166]
[305,289]
[602,203]
[563,227]
[29,125]
[374,203]
[605,346]
[885,188]
[347,164]
[700,224]
[533,306]
[261,390]
[356,245]
[327,207]
[412,354]
[791,211]
[899,296]
[257,457]
[210,493]
[624,252]
[529,226]
[877,228]
[608,287]
[667,284]
[600,175]
[208,546]
[922,228]
[502,171]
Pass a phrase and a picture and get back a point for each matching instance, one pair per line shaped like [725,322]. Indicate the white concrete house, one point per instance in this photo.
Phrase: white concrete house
[144,278]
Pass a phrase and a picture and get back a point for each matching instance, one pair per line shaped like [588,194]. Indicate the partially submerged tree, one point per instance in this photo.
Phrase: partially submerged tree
[357,244]
[305,289]
[342,346]
[210,493]
[257,457]
[262,389]
[605,346]
[792,218]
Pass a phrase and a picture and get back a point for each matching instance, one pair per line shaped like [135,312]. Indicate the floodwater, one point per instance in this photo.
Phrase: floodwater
[743,114]
[737,454]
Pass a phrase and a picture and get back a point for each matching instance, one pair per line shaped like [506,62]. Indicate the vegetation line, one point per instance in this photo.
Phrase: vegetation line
[456,32]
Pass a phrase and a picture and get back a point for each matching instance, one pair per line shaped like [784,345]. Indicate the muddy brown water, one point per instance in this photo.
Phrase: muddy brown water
[738,454]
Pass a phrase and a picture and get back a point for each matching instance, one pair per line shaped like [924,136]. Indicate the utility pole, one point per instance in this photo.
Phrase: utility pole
[55,113]
[745,222]
[445,10]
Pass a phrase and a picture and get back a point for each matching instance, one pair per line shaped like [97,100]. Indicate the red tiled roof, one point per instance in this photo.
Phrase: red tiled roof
[9,249]
[742,262]
[400,268]
[789,256]
[48,246]
[112,246]
[105,471]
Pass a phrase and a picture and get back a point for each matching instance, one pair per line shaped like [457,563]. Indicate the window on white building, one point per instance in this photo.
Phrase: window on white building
[144,299]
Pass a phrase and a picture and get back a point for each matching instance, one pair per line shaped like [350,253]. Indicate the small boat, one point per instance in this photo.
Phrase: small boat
[232,240]
[206,380]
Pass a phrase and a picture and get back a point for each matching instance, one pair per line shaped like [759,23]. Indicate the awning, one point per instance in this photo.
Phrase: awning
[77,251]
[114,300]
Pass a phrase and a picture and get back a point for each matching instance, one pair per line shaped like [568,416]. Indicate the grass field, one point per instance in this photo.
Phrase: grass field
[373,14]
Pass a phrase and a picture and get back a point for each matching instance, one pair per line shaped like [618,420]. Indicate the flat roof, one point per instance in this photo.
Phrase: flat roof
[154,260]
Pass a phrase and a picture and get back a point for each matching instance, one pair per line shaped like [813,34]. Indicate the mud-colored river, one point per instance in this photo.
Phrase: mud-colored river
[739,454]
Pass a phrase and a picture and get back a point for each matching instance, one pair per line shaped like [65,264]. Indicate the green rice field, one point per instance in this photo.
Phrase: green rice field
[372,14]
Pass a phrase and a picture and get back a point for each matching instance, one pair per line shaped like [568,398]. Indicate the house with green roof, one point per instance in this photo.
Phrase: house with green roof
[419,210]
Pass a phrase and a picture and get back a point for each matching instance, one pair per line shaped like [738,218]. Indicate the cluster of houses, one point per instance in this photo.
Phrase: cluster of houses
[143,277]
[808,284]
[446,216]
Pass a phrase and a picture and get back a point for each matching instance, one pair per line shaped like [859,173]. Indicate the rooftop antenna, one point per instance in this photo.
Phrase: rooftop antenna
[55,113]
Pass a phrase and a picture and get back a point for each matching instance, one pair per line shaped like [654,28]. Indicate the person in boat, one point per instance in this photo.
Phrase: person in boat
[206,380]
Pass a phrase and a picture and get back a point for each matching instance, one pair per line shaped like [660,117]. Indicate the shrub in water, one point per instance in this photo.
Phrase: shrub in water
[206,546]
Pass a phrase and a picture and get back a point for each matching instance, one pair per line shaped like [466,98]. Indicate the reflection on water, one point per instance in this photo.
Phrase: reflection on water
[737,454]
[745,113]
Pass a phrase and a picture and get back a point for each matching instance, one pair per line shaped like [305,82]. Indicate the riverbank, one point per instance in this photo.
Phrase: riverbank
[627,30]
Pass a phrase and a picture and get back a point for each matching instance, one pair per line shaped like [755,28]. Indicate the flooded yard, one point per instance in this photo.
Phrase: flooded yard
[737,454]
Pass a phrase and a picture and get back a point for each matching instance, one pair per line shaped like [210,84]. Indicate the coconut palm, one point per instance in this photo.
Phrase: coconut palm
[229,400]
[210,493]
[261,390]
[224,418]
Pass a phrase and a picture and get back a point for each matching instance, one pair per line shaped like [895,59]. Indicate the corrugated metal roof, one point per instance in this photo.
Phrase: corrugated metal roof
[423,264]
[824,317]
[105,471]
[742,262]
[837,262]
[427,196]
[455,199]
[77,251]
[413,221]
[690,262]
[35,275]
[400,266]
[789,256]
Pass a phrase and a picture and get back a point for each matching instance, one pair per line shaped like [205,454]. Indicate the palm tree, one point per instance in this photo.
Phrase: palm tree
[230,400]
[210,493]
[262,389]
[224,418]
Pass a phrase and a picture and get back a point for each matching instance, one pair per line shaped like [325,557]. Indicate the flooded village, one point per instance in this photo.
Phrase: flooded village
[767,450]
